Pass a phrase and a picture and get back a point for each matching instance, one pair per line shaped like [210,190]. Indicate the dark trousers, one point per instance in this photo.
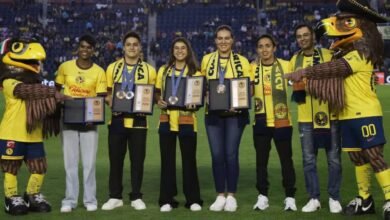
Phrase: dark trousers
[262,144]
[135,140]
[168,187]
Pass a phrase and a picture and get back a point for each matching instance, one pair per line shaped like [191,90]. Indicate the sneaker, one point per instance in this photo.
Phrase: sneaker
[289,204]
[91,207]
[312,206]
[195,207]
[166,208]
[112,204]
[15,205]
[66,209]
[360,206]
[334,206]
[262,203]
[386,210]
[219,203]
[231,204]
[36,202]
[138,204]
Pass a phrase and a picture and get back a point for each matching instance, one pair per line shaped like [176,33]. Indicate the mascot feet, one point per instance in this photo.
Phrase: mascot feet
[360,206]
[15,205]
[36,202]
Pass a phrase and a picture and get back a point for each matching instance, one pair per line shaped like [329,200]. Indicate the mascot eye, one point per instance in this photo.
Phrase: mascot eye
[350,23]
[17,47]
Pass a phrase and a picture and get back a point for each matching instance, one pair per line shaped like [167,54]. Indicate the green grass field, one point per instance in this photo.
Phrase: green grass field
[54,186]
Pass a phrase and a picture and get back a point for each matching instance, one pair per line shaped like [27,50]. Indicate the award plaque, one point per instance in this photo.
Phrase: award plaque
[219,101]
[84,110]
[177,100]
[122,101]
[194,91]
[143,99]
[240,93]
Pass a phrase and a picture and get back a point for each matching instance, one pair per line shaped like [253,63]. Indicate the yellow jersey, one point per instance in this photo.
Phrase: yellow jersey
[13,125]
[360,97]
[78,82]
[174,114]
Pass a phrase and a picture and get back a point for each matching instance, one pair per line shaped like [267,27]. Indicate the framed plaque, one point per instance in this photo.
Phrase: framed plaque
[219,100]
[143,99]
[194,92]
[174,101]
[239,93]
[84,110]
[121,102]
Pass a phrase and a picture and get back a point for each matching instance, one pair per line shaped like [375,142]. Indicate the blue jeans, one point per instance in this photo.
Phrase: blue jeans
[224,137]
[309,154]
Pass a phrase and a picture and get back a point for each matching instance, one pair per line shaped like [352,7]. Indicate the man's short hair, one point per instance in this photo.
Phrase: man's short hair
[302,26]
[131,34]
[89,39]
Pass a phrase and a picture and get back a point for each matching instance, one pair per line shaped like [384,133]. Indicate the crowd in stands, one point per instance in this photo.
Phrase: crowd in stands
[193,19]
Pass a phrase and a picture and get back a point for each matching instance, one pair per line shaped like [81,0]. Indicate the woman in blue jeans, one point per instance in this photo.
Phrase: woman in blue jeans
[225,128]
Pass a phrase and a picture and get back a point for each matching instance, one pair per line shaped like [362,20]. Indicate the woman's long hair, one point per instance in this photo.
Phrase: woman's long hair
[190,60]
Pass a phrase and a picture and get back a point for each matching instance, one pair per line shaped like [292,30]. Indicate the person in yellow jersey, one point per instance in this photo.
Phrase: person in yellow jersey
[25,122]
[346,82]
[179,124]
[272,121]
[127,131]
[224,129]
[318,127]
[80,78]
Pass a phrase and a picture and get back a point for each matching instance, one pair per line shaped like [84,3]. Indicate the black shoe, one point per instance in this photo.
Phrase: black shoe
[360,206]
[386,210]
[15,206]
[36,202]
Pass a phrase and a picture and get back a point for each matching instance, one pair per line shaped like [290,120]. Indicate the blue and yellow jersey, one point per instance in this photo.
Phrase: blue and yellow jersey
[360,97]
[13,125]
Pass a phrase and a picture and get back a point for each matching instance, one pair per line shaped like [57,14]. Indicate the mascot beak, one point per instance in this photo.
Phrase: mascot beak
[25,55]
[344,30]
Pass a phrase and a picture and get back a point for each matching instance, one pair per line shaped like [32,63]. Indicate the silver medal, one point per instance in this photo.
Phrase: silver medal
[129,94]
[221,88]
[173,100]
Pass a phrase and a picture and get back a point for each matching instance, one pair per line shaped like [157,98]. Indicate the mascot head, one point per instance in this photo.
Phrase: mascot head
[354,28]
[20,55]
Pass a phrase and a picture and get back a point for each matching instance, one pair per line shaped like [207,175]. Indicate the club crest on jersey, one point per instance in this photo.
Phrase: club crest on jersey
[321,119]
[80,79]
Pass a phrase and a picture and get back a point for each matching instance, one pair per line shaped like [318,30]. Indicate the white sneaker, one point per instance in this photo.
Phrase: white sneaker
[195,207]
[219,203]
[66,209]
[138,204]
[231,204]
[91,207]
[112,204]
[312,206]
[262,203]
[166,208]
[289,204]
[334,206]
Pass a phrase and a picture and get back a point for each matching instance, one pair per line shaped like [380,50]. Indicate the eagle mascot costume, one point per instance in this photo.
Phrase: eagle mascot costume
[347,84]
[30,115]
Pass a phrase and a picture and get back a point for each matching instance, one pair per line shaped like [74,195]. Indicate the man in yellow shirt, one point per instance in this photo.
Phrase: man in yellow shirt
[127,131]
[81,78]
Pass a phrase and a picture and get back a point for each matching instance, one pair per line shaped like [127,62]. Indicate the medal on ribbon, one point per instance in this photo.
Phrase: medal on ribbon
[221,88]
[127,84]
[173,99]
